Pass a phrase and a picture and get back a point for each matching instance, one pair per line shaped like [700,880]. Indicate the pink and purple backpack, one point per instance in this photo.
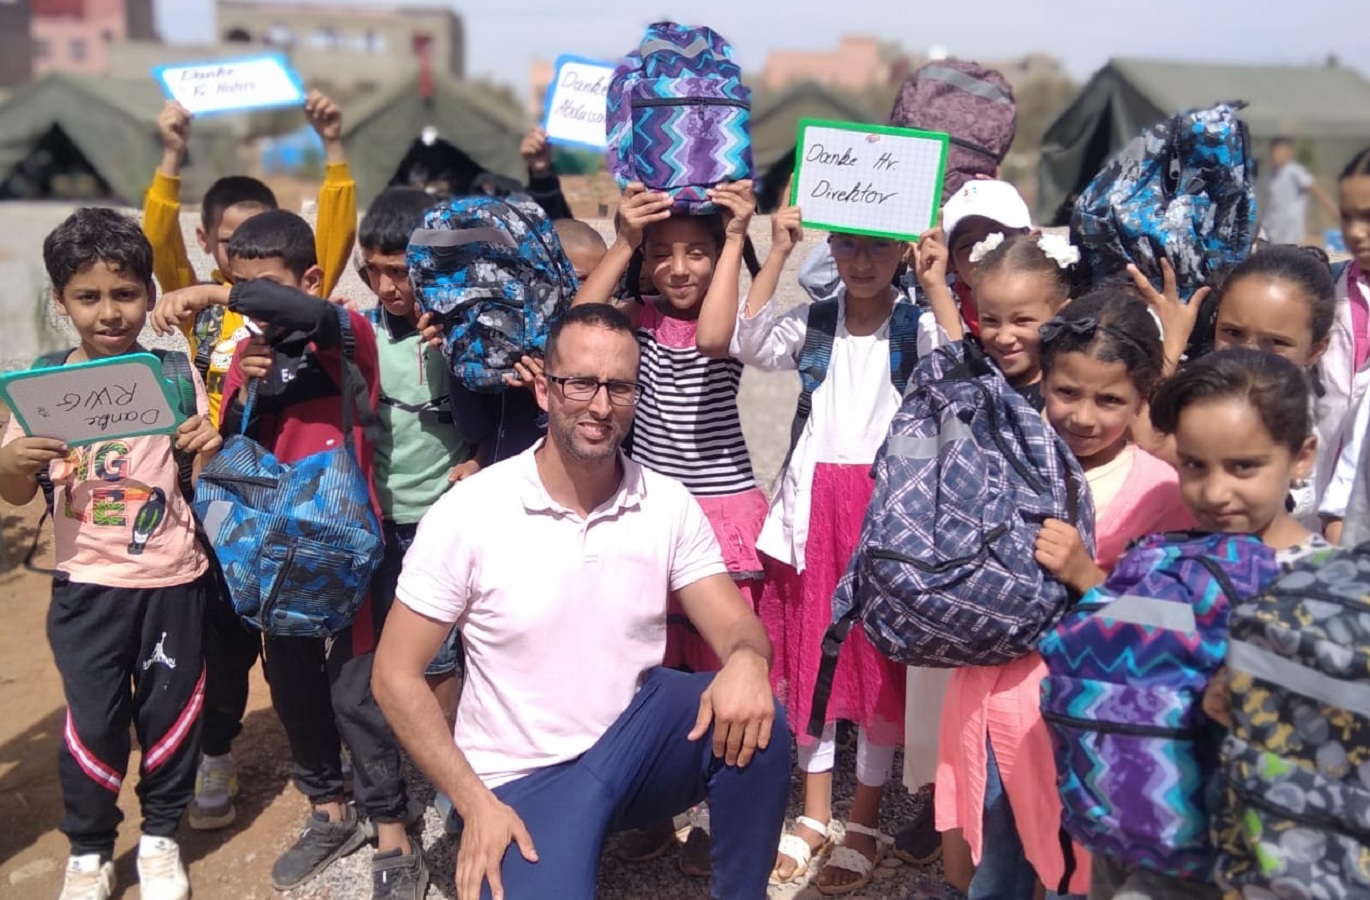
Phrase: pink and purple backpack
[1136,756]
[679,116]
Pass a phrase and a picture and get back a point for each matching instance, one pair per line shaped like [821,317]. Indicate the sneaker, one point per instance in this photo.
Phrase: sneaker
[396,876]
[161,876]
[322,843]
[216,784]
[88,878]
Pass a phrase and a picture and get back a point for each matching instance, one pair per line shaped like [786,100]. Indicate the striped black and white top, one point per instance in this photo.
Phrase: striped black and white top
[687,424]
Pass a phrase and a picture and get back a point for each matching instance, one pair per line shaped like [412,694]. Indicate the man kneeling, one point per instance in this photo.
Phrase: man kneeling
[556,565]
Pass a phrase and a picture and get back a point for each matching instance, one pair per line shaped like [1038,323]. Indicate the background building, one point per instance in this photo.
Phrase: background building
[76,35]
[16,44]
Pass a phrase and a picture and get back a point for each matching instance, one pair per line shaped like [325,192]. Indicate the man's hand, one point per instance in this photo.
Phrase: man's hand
[638,209]
[739,704]
[1061,551]
[526,372]
[1177,318]
[786,231]
[486,834]
[430,331]
[176,308]
[463,471]
[173,127]
[536,152]
[737,203]
[198,435]
[28,456]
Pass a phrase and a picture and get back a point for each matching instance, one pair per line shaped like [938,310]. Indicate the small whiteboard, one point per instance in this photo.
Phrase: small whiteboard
[577,100]
[80,403]
[257,82]
[868,179]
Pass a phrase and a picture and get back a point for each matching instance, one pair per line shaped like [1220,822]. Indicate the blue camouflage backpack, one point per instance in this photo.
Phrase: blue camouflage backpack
[1184,190]
[679,117]
[1136,757]
[942,575]
[494,274]
[297,542]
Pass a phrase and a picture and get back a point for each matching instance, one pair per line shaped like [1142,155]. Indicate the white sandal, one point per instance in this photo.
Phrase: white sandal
[796,848]
[849,860]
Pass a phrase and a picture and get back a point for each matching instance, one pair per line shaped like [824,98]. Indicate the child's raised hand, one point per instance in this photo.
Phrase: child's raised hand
[786,230]
[737,203]
[324,116]
[463,471]
[1177,319]
[526,372]
[27,456]
[536,152]
[1061,551]
[198,435]
[173,127]
[638,209]
[930,258]
[430,331]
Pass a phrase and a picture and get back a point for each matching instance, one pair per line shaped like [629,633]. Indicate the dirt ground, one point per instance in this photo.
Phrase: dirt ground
[233,864]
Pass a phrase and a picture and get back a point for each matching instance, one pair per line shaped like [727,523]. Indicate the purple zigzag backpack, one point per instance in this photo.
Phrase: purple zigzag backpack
[679,116]
[1136,757]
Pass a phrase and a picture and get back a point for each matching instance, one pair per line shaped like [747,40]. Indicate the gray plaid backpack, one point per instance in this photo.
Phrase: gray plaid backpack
[943,574]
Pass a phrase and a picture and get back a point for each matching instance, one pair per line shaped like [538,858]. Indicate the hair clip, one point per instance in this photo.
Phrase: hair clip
[1059,250]
[981,249]
[1059,328]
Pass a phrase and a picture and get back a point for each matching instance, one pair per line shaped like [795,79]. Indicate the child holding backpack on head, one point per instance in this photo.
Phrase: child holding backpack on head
[854,354]
[130,586]
[1243,434]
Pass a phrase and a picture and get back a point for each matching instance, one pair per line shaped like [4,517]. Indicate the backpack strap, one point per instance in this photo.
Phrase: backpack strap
[46,361]
[176,369]
[207,330]
[814,357]
[903,344]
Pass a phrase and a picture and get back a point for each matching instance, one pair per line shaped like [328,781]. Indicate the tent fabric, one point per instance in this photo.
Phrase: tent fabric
[1325,109]
[113,123]
[379,132]
[775,120]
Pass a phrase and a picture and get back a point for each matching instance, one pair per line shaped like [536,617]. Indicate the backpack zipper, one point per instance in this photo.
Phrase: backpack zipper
[991,536]
[255,480]
[647,102]
[269,608]
[1323,822]
[1223,581]
[1156,731]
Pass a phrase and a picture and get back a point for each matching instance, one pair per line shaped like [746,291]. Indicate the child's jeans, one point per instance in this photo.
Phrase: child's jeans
[1004,872]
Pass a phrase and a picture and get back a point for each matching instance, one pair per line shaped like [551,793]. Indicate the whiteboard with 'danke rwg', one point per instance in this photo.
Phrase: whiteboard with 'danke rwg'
[81,403]
[868,179]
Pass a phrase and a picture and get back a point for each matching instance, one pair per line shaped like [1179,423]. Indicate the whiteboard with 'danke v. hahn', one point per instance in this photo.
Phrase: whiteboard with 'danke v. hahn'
[868,179]
[81,403]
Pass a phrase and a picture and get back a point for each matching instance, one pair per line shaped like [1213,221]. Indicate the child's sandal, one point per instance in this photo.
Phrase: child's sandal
[849,860]
[796,848]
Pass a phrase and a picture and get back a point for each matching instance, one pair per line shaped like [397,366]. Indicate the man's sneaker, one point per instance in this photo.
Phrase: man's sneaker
[88,879]
[216,784]
[160,873]
[322,843]
[395,876]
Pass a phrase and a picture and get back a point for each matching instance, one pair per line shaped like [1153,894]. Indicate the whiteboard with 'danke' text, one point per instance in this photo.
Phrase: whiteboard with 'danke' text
[868,179]
[258,82]
[80,403]
[577,102]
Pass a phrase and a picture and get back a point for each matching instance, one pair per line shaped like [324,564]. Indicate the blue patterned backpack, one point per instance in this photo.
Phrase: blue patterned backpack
[494,274]
[297,542]
[1136,757]
[965,480]
[679,116]
[1185,190]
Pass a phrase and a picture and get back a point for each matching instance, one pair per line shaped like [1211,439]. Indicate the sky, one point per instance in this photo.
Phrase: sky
[503,36]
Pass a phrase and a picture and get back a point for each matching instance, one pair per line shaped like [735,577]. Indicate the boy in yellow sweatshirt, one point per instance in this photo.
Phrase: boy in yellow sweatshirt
[214,334]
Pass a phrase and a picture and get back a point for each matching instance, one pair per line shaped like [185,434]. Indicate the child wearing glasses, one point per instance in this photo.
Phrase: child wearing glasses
[687,424]
[854,354]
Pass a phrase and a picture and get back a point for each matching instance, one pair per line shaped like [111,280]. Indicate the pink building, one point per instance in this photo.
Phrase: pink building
[75,35]
[859,62]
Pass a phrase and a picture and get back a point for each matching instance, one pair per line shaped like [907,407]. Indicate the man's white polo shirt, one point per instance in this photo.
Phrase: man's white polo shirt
[561,616]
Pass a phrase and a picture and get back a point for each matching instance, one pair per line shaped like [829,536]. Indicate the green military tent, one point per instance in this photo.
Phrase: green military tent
[774,131]
[1324,109]
[81,137]
[386,130]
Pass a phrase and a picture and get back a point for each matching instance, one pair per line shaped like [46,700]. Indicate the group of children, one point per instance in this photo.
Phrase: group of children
[1262,435]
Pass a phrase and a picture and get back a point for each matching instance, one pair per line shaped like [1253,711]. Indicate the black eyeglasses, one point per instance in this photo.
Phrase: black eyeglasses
[621,393]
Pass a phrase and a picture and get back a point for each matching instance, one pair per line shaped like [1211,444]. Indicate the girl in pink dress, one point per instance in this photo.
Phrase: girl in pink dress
[1100,358]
